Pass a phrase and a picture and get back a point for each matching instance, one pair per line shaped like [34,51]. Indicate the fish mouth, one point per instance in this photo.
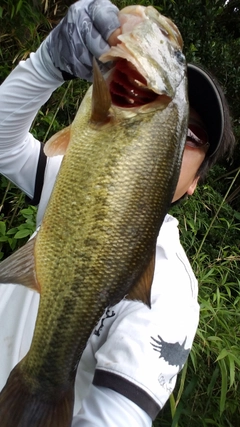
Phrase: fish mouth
[128,88]
[148,60]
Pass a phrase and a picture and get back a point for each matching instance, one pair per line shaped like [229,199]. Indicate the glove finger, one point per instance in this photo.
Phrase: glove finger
[104,16]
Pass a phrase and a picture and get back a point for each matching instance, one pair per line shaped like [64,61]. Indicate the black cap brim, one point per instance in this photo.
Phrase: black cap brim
[205,98]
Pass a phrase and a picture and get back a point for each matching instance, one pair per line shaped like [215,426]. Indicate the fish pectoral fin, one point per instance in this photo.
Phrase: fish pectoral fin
[101,98]
[141,291]
[19,268]
[26,403]
[58,143]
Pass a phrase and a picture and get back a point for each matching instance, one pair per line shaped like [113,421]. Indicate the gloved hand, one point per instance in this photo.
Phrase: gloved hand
[81,35]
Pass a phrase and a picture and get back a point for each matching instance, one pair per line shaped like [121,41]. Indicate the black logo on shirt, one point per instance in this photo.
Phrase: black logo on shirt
[107,315]
[173,353]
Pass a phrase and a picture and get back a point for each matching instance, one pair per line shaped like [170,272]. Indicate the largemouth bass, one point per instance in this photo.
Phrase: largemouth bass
[97,241]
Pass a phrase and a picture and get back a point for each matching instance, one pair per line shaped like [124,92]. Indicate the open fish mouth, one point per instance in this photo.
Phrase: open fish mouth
[128,88]
[141,75]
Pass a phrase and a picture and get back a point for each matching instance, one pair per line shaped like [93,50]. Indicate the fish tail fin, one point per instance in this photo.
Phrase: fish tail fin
[19,407]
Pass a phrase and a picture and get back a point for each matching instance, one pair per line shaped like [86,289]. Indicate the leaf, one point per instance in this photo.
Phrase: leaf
[237,215]
[19,5]
[28,212]
[2,228]
[12,231]
[13,11]
[236,360]
[224,353]
[22,233]
[210,387]
[182,383]
[231,370]
[214,338]
[172,404]
[224,377]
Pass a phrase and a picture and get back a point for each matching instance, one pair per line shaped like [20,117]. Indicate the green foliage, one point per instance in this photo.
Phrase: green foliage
[24,24]
[19,20]
[17,221]
[208,389]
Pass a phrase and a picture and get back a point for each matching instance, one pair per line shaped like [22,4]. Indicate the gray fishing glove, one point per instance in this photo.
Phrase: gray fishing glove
[81,35]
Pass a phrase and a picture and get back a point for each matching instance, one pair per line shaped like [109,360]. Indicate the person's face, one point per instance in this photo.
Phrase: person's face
[193,157]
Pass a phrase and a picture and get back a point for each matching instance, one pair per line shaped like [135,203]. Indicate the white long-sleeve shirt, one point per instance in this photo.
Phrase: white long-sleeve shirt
[131,361]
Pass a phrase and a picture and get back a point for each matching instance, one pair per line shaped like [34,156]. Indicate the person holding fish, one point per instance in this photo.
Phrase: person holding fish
[120,294]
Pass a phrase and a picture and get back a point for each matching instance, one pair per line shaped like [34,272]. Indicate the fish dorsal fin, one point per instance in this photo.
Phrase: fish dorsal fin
[101,98]
[58,143]
[19,268]
[141,291]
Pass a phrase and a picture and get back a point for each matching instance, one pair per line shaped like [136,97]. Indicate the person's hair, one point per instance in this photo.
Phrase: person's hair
[227,142]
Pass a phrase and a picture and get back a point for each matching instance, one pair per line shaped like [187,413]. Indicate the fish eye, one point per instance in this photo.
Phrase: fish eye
[179,56]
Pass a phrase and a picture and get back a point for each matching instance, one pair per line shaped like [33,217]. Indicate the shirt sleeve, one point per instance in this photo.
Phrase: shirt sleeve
[105,408]
[145,350]
[22,94]
[136,362]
